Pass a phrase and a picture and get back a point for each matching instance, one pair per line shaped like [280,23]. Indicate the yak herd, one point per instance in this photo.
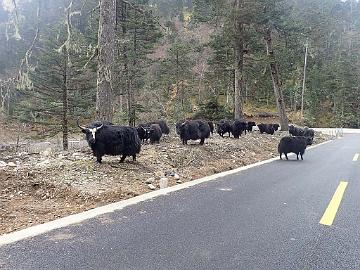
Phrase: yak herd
[105,138]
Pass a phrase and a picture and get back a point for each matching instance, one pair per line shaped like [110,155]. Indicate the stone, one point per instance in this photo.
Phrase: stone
[47,152]
[150,180]
[163,183]
[178,182]
[151,186]
[169,173]
[43,163]
[11,164]
[176,176]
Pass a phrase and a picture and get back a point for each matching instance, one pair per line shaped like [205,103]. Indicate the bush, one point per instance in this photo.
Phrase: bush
[212,110]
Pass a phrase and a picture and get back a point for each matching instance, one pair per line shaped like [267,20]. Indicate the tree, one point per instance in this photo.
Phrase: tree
[106,57]
[239,59]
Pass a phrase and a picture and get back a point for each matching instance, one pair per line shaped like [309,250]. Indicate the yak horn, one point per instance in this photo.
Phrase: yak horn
[99,127]
[77,121]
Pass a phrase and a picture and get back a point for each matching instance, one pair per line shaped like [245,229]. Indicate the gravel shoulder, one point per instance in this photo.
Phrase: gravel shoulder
[36,188]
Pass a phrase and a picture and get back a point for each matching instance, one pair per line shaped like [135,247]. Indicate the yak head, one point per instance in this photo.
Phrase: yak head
[309,140]
[90,132]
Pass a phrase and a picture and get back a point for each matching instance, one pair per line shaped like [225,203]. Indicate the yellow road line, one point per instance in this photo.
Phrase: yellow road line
[331,210]
[356,157]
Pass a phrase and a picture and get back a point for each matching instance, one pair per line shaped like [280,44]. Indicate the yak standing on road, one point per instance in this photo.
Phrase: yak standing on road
[295,145]
[112,140]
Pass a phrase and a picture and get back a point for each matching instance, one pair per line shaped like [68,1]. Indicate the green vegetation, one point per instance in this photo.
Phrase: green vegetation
[176,59]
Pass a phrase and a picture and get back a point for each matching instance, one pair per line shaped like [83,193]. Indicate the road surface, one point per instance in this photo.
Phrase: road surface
[266,217]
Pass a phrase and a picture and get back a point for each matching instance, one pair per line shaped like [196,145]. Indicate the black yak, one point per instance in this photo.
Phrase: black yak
[112,140]
[295,145]
[224,126]
[143,132]
[163,125]
[266,128]
[211,125]
[238,127]
[275,126]
[194,130]
[178,125]
[296,131]
[308,132]
[155,133]
[250,126]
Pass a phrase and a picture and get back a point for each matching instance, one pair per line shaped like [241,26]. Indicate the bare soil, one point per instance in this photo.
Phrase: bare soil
[36,188]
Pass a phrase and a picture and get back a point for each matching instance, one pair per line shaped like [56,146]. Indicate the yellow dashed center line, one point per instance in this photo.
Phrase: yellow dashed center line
[356,157]
[330,212]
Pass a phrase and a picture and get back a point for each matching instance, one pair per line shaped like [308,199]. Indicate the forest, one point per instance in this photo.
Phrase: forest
[138,60]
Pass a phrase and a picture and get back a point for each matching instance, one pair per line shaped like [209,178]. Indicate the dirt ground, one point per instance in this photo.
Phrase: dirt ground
[36,188]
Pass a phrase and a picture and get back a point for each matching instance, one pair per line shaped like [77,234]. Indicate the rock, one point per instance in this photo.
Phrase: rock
[43,163]
[21,154]
[61,156]
[163,183]
[2,163]
[11,164]
[150,180]
[169,173]
[178,181]
[151,186]
[176,176]
[47,152]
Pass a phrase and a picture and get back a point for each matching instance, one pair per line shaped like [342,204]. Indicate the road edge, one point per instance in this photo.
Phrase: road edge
[29,232]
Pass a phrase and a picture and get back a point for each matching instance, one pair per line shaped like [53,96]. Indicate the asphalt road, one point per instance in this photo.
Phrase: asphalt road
[266,217]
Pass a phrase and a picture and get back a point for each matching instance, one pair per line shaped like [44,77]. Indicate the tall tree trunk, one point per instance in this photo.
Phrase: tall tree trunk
[106,57]
[239,60]
[304,80]
[284,122]
[132,118]
[65,102]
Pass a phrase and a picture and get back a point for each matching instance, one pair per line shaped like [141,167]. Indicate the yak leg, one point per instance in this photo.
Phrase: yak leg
[297,156]
[301,154]
[202,141]
[98,156]
[134,157]
[280,156]
[286,156]
[122,158]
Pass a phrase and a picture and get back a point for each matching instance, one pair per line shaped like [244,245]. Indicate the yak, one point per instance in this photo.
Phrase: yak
[194,130]
[163,125]
[155,133]
[266,128]
[224,126]
[143,132]
[105,139]
[211,125]
[238,127]
[275,126]
[296,144]
[250,125]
